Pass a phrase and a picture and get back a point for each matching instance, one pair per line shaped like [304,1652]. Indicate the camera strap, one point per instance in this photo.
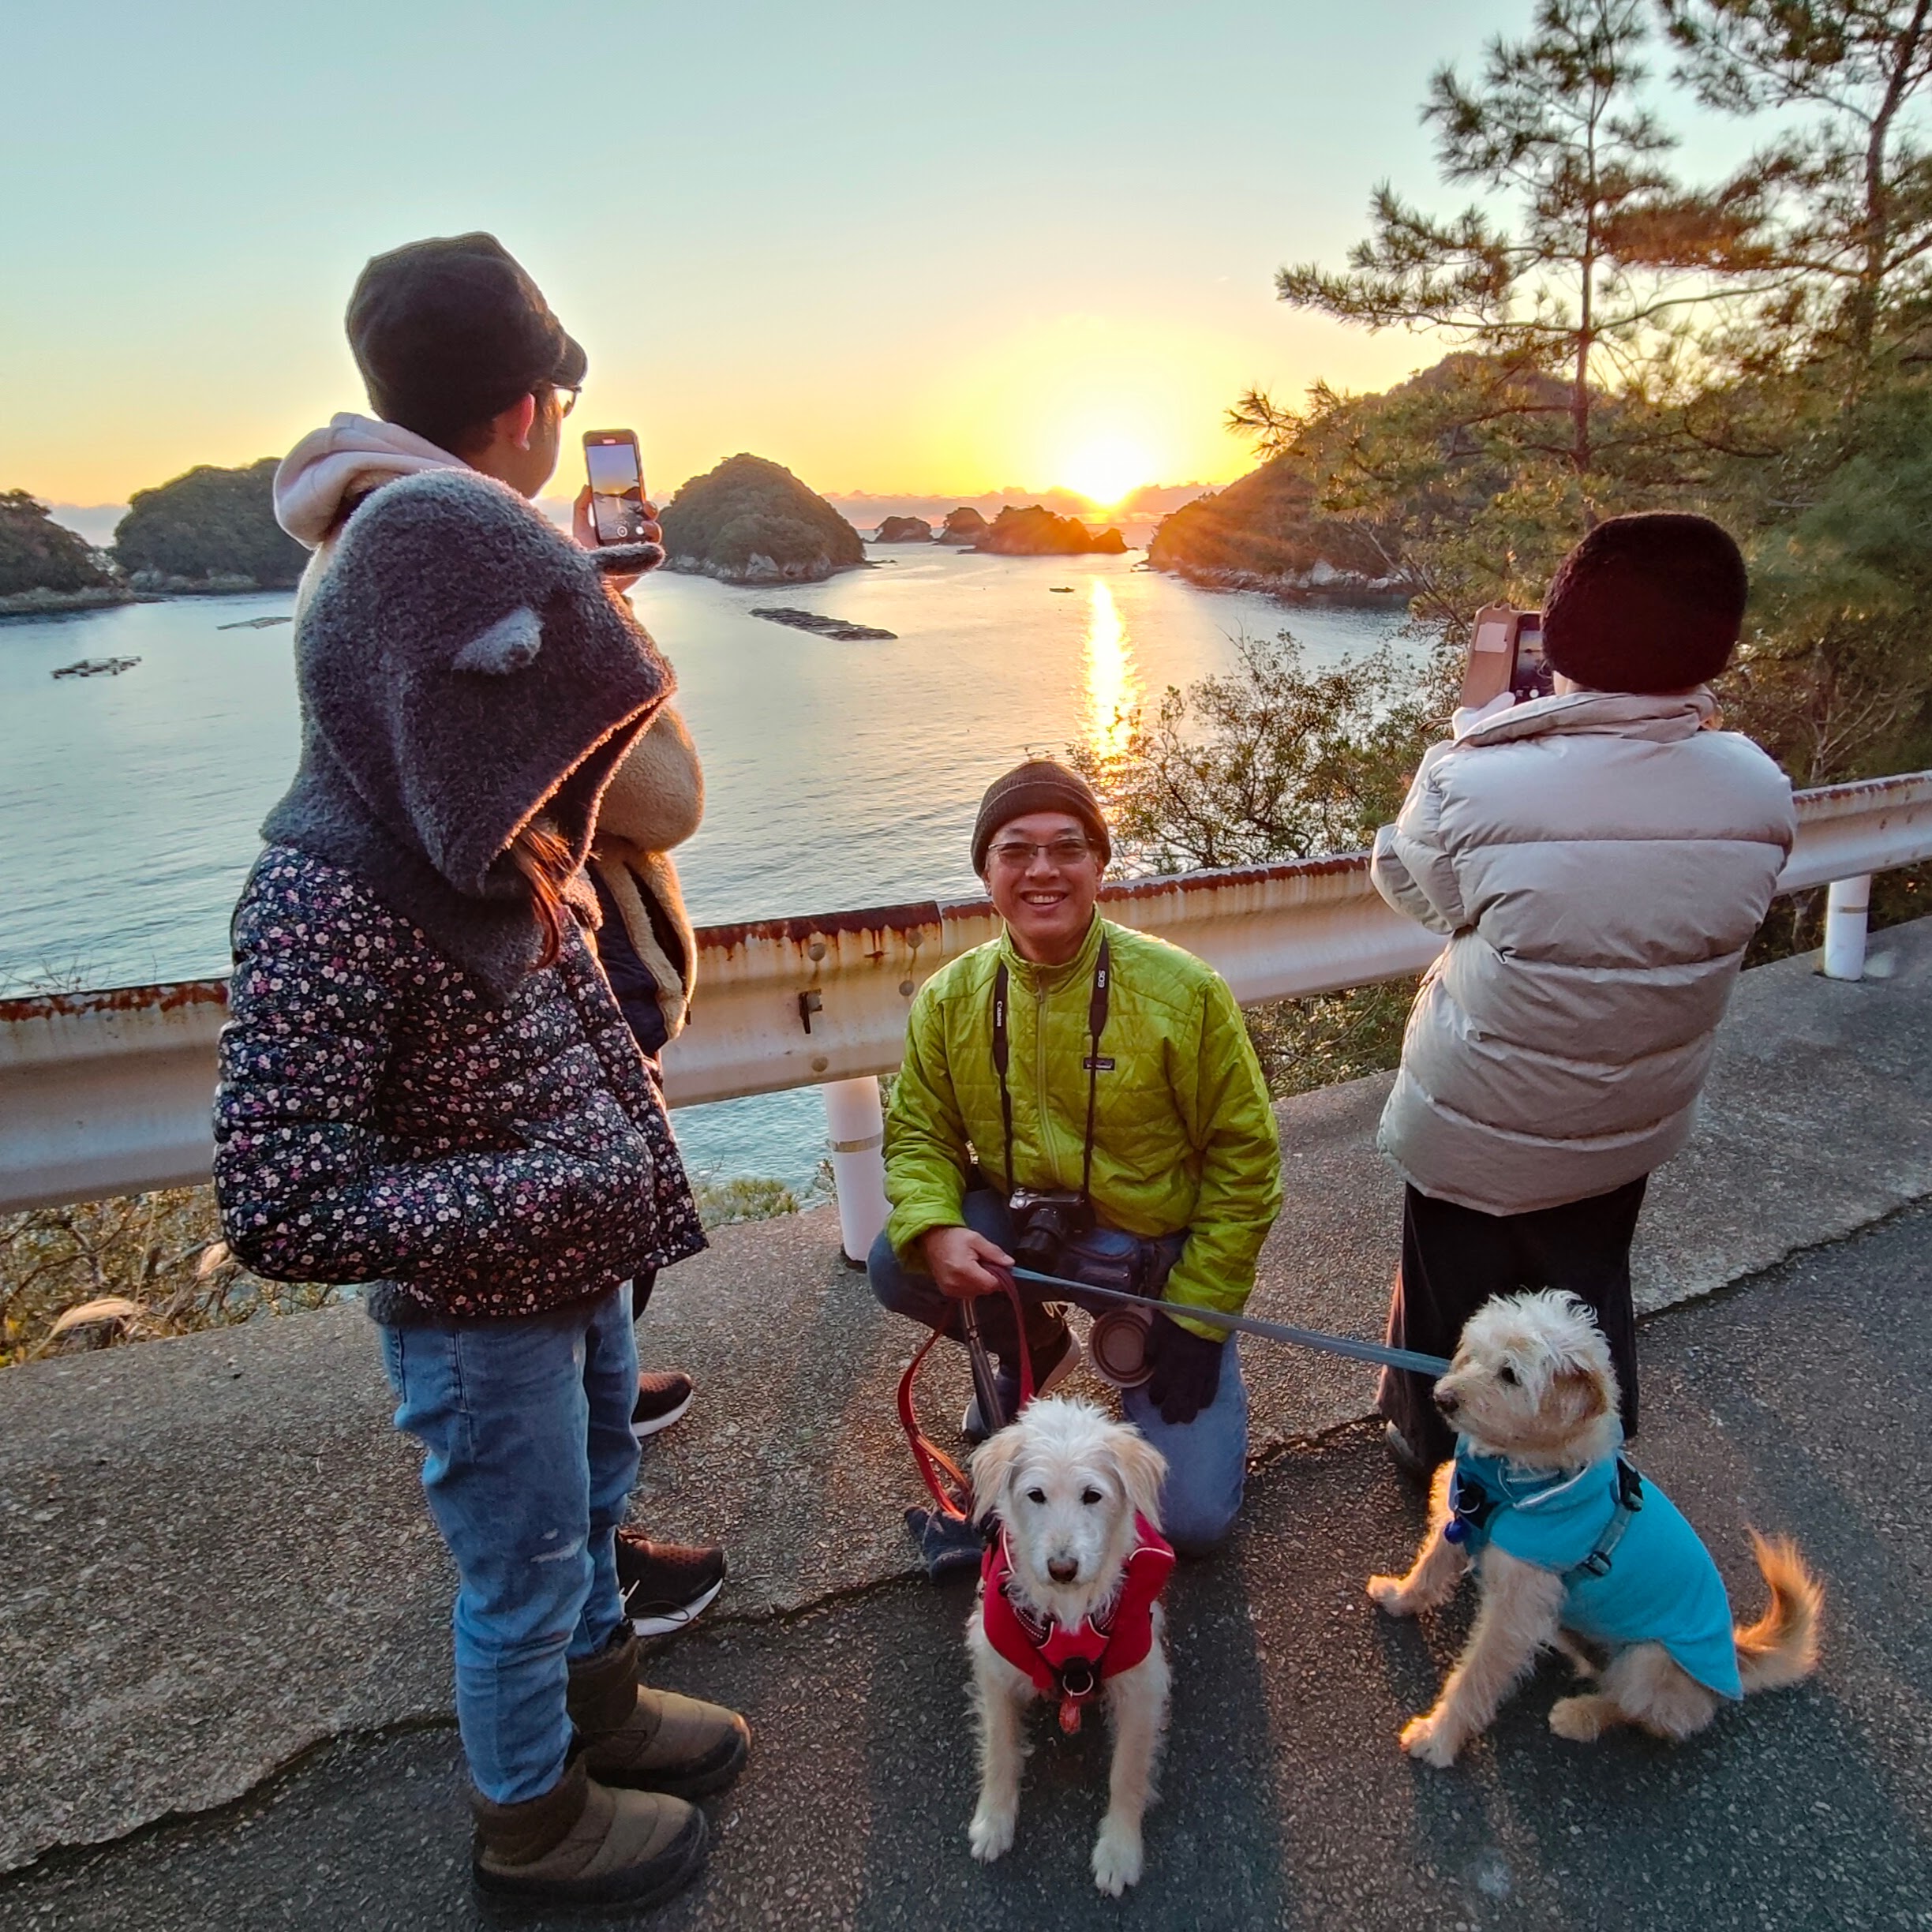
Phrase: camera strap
[1099,1002]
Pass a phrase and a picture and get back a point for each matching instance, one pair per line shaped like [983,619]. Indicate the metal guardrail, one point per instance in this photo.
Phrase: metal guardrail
[108,1093]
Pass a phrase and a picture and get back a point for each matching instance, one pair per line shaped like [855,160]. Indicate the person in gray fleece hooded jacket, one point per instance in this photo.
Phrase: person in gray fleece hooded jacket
[1598,861]
[427,1087]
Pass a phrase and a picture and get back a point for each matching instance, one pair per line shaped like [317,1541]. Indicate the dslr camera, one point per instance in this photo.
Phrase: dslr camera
[1046,1222]
[1057,1233]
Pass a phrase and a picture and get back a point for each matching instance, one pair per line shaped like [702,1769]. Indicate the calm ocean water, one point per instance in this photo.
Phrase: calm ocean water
[838,774]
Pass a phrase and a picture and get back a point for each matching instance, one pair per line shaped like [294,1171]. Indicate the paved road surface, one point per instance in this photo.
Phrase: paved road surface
[1796,1401]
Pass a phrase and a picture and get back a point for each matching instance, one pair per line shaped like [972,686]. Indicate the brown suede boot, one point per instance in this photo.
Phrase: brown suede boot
[653,1740]
[581,1844]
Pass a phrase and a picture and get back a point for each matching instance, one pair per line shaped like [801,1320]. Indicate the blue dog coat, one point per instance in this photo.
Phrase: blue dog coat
[1660,1587]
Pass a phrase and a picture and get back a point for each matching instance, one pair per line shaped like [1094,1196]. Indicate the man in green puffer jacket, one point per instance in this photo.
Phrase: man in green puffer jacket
[1183,1153]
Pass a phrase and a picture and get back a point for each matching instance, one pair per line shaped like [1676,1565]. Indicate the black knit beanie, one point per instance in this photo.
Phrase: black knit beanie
[1651,602]
[1039,785]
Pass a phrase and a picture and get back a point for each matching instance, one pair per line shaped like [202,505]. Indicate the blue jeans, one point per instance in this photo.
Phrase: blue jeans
[1207,1458]
[527,1424]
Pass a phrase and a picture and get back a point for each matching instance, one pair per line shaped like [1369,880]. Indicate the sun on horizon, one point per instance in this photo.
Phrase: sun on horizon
[1107,469]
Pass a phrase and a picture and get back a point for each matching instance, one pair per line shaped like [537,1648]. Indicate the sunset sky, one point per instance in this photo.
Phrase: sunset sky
[925,250]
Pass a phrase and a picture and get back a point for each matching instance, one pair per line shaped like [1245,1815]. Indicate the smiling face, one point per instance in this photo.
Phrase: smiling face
[1046,897]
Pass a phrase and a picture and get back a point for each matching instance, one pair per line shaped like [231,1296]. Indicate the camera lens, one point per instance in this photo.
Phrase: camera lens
[1039,1246]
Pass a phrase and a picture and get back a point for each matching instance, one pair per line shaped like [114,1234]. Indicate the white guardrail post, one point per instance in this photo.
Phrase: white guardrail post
[107,1093]
[855,1122]
[1846,906]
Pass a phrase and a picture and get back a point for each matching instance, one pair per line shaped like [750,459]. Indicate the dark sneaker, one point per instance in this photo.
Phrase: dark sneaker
[947,1546]
[1051,1367]
[664,1586]
[663,1396]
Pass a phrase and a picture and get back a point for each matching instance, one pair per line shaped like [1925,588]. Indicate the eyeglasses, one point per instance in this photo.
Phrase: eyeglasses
[1015,855]
[567,397]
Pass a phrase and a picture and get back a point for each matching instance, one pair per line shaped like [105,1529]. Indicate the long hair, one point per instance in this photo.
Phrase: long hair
[543,856]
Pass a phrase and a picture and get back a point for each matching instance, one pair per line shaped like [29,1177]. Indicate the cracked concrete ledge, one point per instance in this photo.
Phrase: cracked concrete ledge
[218,1556]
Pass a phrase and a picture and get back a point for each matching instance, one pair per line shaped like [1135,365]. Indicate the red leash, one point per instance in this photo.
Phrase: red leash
[950,1486]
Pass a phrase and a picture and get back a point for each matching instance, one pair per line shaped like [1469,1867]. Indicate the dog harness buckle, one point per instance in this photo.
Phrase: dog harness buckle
[1629,1501]
[1470,1507]
[1077,1680]
[1078,1683]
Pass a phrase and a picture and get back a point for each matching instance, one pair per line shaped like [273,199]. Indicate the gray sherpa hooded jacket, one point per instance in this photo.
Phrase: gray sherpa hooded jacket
[407,1098]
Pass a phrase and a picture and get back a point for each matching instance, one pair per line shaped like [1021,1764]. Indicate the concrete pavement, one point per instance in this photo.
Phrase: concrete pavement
[1796,1404]
[226,1524]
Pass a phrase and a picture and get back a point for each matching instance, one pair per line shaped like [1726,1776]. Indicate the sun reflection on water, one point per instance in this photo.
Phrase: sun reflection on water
[1112,690]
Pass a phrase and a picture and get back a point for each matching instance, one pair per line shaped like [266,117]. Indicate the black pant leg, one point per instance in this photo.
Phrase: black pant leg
[1584,1246]
[642,1283]
[1453,1260]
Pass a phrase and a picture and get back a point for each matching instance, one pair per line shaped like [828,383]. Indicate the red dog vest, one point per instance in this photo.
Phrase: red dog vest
[1072,1664]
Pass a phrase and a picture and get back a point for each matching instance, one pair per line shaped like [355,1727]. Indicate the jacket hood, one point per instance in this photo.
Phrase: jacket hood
[330,467]
[1623,715]
[461,666]
[656,798]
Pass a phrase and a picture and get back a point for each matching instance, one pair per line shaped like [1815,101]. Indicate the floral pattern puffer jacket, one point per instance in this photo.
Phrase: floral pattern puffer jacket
[379,1120]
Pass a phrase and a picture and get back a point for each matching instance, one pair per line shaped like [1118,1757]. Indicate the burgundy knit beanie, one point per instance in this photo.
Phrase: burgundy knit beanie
[1651,602]
[1040,784]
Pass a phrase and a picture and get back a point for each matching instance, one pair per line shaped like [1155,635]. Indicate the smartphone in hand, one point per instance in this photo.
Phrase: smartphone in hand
[617,484]
[1506,654]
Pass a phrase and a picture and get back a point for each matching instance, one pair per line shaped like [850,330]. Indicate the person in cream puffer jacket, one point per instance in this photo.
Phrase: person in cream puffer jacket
[1599,860]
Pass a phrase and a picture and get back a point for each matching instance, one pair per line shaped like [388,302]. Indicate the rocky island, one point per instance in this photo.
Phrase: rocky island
[904,530]
[1263,533]
[44,565]
[1035,531]
[963,525]
[210,530]
[752,522]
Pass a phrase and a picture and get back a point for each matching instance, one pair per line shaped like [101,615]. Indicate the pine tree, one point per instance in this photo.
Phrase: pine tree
[1848,192]
[1572,289]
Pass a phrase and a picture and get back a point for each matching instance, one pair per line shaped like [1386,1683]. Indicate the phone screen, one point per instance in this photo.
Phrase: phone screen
[1532,677]
[617,485]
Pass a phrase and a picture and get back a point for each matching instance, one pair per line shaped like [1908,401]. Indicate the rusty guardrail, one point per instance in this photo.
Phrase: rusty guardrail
[107,1093]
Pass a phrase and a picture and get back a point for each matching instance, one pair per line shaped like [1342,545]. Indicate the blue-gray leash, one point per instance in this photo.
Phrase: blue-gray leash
[1378,1352]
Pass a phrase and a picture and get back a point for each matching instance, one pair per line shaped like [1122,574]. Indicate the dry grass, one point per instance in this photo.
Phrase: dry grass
[147,1265]
[1306,1043]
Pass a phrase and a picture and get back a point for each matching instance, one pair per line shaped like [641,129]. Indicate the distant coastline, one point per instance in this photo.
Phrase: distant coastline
[107,596]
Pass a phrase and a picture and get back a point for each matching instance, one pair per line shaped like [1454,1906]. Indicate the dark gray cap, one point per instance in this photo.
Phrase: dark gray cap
[449,332]
[1040,784]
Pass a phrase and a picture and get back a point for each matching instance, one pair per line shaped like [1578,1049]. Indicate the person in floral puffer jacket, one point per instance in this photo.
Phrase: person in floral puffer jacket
[427,1085]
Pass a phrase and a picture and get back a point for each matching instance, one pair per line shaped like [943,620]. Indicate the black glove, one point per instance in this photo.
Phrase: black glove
[1187,1371]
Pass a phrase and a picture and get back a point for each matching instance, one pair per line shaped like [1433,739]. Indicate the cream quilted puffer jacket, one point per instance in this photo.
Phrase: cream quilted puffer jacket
[1599,862]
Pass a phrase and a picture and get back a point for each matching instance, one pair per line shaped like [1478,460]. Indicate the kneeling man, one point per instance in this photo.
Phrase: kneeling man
[1073,1057]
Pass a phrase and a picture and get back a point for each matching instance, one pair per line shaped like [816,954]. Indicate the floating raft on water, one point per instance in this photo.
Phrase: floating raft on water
[97,667]
[821,625]
[255,624]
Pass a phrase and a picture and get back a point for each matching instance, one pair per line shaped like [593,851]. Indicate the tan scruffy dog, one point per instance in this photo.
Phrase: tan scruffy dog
[1538,1498]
